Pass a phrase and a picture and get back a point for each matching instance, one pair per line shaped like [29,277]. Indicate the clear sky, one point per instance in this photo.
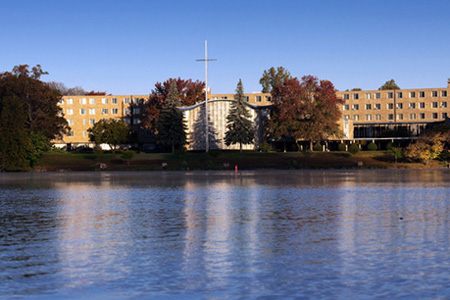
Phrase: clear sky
[125,47]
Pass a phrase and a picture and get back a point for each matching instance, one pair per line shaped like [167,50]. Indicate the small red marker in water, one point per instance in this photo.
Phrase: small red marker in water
[235,169]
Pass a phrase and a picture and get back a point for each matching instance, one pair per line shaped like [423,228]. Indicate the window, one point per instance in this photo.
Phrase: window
[69,101]
[70,133]
[412,94]
[368,96]
[84,121]
[346,117]
[136,111]
[225,97]
[390,95]
[104,111]
[390,106]
[377,106]
[135,121]
[355,117]
[84,133]
[422,105]
[92,111]
[399,105]
[268,99]
[434,116]
[368,117]
[82,111]
[104,100]
[69,111]
[91,121]
[355,107]
[377,95]
[346,96]
[434,105]
[82,100]
[412,105]
[400,95]
[434,94]
[346,107]
[444,115]
[61,102]
[422,94]
[444,104]
[127,121]
[258,98]
[91,101]
[247,98]
[136,100]
[126,100]
[422,116]
[368,106]
[70,122]
[399,116]
[390,116]
[127,111]
[355,96]
[412,116]
[443,93]
[113,100]
[114,111]
[378,117]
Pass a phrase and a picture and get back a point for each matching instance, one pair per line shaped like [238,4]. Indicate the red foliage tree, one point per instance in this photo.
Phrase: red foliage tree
[306,110]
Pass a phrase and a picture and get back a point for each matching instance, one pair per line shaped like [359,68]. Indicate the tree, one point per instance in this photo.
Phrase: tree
[306,110]
[109,131]
[428,147]
[171,125]
[239,126]
[272,78]
[389,85]
[189,92]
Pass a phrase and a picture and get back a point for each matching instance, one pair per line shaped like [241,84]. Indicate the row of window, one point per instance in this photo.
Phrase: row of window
[104,111]
[247,98]
[390,95]
[411,105]
[390,117]
[103,101]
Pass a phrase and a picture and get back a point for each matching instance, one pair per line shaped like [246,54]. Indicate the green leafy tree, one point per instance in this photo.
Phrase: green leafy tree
[171,125]
[306,110]
[396,153]
[389,85]
[239,126]
[273,77]
[109,131]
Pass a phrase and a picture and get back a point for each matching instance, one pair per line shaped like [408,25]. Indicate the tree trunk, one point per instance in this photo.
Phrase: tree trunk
[311,145]
[173,148]
[240,147]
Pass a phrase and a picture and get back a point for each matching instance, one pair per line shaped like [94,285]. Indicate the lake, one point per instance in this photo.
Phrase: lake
[216,235]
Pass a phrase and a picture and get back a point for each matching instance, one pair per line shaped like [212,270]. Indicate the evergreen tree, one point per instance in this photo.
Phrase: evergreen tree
[389,85]
[239,126]
[171,125]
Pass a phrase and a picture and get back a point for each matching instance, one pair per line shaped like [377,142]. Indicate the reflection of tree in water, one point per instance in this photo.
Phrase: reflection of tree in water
[197,137]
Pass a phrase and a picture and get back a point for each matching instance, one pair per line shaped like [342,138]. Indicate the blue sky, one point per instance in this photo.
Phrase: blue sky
[125,47]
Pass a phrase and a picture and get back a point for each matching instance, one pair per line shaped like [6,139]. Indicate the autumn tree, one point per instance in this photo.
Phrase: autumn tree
[189,92]
[273,77]
[239,126]
[171,125]
[428,146]
[112,132]
[65,91]
[306,110]
[389,85]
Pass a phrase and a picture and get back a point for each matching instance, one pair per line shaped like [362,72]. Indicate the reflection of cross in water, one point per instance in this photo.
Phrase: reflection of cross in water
[206,92]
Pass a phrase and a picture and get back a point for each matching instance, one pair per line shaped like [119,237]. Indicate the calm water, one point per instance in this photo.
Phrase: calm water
[210,235]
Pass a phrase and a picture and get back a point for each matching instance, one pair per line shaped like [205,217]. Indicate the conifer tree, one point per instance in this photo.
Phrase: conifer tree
[171,125]
[239,126]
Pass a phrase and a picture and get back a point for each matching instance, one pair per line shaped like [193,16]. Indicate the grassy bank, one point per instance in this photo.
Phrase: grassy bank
[217,160]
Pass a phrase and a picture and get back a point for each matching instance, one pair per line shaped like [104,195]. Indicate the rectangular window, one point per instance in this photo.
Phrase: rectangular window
[399,116]
[412,116]
[92,111]
[70,122]
[434,94]
[82,111]
[136,111]
[421,104]
[127,111]
[346,96]
[91,121]
[443,93]
[368,117]
[71,133]
[104,100]
[136,100]
[444,104]
[346,117]
[247,98]
[377,95]
[114,111]
[346,107]
[84,121]
[390,117]
[84,133]
[127,121]
[434,105]
[399,105]
[355,107]
[368,106]
[390,106]
[113,100]
[400,95]
[258,98]
[126,100]
[422,94]
[355,117]
[61,101]
[91,101]
[104,111]
[69,101]
[377,106]
[412,105]
[368,96]
[69,111]
[83,101]
[444,115]
[412,94]
[378,117]
[435,116]
[135,121]
[268,99]
[355,96]
[390,95]
[422,116]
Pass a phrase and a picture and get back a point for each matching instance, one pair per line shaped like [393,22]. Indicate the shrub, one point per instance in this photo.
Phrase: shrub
[396,153]
[318,147]
[127,155]
[342,147]
[389,146]
[353,148]
[372,147]
[265,147]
